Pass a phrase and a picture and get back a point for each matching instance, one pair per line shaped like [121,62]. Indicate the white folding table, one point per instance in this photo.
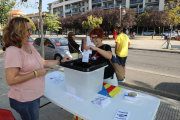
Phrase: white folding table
[144,108]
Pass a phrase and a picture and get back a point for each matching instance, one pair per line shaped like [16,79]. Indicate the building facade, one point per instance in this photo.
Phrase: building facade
[65,8]
[35,16]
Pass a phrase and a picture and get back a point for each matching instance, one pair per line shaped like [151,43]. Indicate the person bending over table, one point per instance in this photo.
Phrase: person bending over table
[102,52]
[24,69]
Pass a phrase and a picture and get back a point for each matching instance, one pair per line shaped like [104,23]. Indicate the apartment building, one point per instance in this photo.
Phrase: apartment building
[65,8]
[35,16]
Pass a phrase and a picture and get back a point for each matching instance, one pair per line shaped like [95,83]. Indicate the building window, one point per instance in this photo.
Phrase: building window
[149,0]
[87,8]
[87,1]
[82,3]
[83,9]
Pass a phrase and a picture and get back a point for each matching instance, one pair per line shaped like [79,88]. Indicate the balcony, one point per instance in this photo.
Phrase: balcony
[108,6]
[76,12]
[67,13]
[69,7]
[75,6]
[49,8]
[111,6]
[60,9]
[136,1]
[96,2]
[118,4]
[60,14]
[94,8]
[106,0]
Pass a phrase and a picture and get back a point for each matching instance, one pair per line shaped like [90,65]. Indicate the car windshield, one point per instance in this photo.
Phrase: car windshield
[31,40]
[60,41]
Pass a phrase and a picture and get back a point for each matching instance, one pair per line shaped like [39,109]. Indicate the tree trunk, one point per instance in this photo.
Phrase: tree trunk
[153,33]
[162,32]
[41,24]
[142,31]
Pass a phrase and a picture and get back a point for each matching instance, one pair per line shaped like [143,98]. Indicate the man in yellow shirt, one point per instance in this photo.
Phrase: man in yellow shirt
[121,49]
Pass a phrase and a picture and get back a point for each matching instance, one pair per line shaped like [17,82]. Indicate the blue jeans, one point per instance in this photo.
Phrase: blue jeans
[27,110]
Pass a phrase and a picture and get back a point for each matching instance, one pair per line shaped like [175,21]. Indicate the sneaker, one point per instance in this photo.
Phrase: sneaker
[121,80]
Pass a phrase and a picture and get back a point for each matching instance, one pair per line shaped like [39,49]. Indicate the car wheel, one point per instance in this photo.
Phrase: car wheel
[58,57]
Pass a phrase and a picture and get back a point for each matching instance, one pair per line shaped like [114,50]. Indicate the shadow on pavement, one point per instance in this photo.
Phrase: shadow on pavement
[173,88]
[169,90]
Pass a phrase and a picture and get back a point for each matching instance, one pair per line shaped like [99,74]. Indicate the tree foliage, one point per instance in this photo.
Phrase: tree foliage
[172,9]
[92,22]
[33,27]
[5,7]
[52,22]
[110,19]
[129,19]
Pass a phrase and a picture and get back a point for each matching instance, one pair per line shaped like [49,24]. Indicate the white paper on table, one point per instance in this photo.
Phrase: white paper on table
[75,97]
[121,115]
[101,101]
[85,56]
[56,77]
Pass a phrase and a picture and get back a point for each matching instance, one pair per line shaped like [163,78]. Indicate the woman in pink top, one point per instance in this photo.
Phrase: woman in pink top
[24,69]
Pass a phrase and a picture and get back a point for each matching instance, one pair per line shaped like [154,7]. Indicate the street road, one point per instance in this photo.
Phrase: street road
[154,72]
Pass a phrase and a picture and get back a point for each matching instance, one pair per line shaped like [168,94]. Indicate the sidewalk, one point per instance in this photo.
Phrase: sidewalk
[168,110]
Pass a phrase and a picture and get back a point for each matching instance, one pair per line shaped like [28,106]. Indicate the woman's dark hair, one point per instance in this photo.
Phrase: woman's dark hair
[15,31]
[97,31]
[70,34]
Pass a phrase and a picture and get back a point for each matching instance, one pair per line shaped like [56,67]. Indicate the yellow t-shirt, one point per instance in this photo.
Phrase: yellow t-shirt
[123,40]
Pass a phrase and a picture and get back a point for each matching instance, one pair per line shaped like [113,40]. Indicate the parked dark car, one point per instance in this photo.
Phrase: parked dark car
[78,33]
[55,48]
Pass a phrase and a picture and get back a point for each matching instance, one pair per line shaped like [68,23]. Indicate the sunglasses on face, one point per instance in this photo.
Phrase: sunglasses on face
[94,37]
[29,30]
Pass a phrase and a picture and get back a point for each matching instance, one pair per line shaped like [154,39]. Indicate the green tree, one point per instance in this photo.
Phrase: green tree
[142,20]
[173,10]
[52,22]
[33,27]
[92,22]
[5,7]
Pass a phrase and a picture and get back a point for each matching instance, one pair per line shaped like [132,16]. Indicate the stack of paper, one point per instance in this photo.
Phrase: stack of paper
[101,101]
[130,98]
[56,77]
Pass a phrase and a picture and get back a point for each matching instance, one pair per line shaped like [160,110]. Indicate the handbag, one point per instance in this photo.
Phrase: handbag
[76,54]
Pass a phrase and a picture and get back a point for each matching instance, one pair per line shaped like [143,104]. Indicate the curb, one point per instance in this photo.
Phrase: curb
[178,52]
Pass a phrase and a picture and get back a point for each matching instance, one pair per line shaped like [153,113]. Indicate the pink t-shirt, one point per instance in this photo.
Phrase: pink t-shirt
[33,88]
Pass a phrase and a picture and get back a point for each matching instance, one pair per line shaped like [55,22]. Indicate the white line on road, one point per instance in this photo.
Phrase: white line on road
[162,74]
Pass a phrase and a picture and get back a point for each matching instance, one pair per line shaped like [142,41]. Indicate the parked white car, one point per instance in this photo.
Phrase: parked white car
[67,32]
[149,32]
[167,33]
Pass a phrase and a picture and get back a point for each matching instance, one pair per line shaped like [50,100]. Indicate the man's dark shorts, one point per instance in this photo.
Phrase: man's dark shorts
[122,60]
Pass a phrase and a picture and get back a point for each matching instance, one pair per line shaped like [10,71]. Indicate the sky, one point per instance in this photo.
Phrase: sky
[31,9]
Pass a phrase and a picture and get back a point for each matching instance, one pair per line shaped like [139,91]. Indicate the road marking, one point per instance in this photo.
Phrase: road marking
[157,73]
[154,89]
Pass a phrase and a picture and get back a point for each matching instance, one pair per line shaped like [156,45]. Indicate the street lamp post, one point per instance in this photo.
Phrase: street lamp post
[120,15]
[138,16]
[123,13]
